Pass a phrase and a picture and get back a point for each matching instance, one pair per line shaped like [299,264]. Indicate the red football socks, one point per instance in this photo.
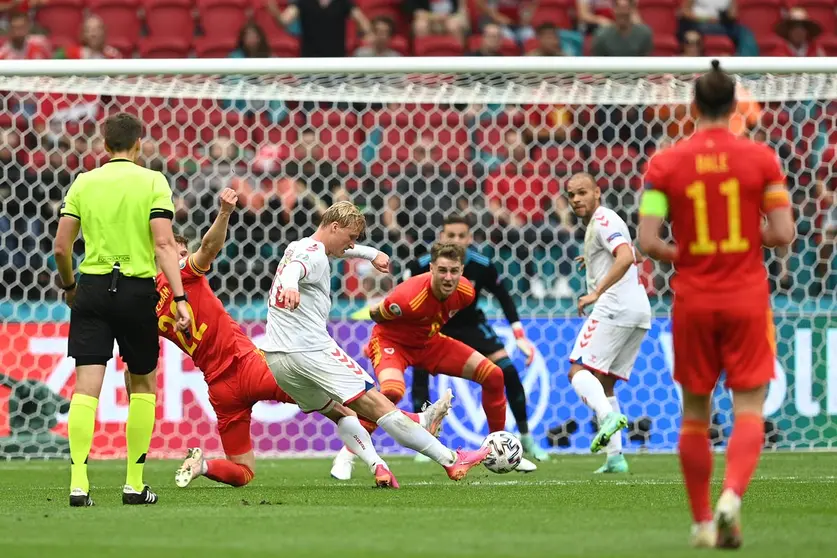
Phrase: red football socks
[696,464]
[743,451]
[493,384]
[227,472]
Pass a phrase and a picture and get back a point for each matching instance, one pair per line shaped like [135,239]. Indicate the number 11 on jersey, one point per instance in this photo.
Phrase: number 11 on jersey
[704,245]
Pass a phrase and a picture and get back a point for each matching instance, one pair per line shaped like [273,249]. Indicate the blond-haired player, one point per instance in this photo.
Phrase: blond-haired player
[311,368]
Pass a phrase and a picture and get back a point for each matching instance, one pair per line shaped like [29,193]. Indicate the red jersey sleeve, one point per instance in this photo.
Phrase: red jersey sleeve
[776,194]
[655,178]
[190,271]
[465,293]
[401,299]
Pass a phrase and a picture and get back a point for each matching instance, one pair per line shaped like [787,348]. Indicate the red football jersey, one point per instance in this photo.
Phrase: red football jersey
[215,339]
[414,314]
[715,184]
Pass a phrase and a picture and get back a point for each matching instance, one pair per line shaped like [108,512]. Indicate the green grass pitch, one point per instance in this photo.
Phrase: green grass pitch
[294,509]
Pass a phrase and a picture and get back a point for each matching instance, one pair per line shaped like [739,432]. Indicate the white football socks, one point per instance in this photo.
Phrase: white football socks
[590,389]
[410,435]
[614,446]
[359,442]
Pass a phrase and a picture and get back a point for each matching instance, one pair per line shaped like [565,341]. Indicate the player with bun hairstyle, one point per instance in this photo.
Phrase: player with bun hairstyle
[725,197]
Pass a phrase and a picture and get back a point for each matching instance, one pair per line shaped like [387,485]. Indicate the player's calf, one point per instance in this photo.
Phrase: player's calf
[220,470]
[490,377]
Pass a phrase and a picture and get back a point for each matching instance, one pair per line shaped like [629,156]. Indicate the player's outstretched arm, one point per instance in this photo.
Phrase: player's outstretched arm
[380,261]
[780,229]
[213,240]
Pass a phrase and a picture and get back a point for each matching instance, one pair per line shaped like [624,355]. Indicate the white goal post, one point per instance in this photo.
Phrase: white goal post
[410,140]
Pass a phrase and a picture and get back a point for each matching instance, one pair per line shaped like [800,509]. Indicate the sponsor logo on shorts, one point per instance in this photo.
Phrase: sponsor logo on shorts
[389,350]
[395,309]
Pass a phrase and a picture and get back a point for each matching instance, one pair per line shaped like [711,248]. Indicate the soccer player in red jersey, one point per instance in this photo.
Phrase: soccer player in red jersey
[234,369]
[407,334]
[725,197]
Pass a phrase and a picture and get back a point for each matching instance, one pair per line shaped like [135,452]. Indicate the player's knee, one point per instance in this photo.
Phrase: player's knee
[393,390]
[492,378]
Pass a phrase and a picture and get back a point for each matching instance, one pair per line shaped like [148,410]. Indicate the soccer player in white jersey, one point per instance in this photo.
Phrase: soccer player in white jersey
[609,342]
[311,368]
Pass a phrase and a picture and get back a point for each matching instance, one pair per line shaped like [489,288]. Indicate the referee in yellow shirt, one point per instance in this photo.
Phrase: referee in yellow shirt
[126,214]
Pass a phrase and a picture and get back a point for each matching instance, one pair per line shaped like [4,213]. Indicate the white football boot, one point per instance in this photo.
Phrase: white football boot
[341,467]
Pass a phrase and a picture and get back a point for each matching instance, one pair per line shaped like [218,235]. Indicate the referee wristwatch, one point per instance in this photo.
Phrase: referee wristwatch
[181,298]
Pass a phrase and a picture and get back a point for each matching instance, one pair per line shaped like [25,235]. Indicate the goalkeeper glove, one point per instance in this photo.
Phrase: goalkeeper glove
[524,345]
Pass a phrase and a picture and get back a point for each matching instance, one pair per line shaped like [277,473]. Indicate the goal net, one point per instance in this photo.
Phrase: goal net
[410,141]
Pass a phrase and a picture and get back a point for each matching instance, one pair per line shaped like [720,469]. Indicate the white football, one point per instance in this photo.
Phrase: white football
[506,452]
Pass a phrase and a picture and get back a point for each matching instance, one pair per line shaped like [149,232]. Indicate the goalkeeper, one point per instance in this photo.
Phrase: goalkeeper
[470,327]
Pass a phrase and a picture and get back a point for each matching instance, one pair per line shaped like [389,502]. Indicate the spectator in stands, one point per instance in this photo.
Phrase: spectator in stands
[717,17]
[492,41]
[799,34]
[548,42]
[513,17]
[21,44]
[93,43]
[10,7]
[624,37]
[592,14]
[323,24]
[440,17]
[692,44]
[252,43]
[382,31]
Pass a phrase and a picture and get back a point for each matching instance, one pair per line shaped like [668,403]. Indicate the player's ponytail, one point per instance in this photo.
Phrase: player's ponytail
[715,92]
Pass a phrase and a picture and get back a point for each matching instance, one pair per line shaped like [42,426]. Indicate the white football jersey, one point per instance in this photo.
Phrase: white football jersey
[626,302]
[304,329]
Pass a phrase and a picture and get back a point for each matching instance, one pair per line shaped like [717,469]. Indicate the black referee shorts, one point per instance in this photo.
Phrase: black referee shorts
[128,316]
[480,337]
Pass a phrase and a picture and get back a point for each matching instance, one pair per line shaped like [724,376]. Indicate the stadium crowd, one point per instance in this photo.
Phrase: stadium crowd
[409,165]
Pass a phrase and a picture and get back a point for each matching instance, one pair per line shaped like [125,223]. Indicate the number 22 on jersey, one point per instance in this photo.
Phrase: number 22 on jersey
[704,245]
[190,343]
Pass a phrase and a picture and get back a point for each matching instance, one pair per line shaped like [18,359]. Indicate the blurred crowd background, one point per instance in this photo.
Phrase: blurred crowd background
[408,165]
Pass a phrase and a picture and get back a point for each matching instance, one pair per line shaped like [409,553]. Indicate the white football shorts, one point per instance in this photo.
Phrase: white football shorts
[608,348]
[317,379]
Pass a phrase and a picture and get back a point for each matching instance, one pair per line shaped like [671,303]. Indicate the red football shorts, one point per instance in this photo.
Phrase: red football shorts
[232,394]
[441,355]
[739,340]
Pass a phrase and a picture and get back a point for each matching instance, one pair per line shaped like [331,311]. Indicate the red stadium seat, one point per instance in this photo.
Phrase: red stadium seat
[769,46]
[666,45]
[760,16]
[556,14]
[718,45]
[121,21]
[165,47]
[214,47]
[222,18]
[508,48]
[440,45]
[284,45]
[169,18]
[828,44]
[263,18]
[660,15]
[62,19]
